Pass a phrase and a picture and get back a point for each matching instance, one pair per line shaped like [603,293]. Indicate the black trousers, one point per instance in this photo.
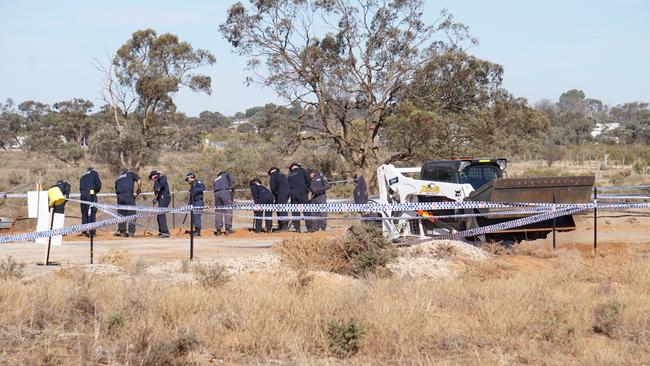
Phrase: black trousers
[88,213]
[197,215]
[268,216]
[298,198]
[127,199]
[318,224]
[281,200]
[162,218]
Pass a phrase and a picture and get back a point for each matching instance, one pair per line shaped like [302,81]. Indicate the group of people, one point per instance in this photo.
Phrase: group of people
[298,186]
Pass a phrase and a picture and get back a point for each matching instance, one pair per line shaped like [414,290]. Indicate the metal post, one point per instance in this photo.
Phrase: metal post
[49,239]
[173,214]
[595,220]
[554,220]
[92,235]
[191,233]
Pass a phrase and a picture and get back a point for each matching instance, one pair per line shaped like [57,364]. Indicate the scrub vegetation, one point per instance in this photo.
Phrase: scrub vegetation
[573,308]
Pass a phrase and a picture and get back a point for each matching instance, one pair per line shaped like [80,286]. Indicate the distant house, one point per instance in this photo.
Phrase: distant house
[604,127]
[241,121]
[214,144]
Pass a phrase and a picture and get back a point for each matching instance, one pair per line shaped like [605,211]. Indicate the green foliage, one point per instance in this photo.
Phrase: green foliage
[367,250]
[145,73]
[345,338]
[331,82]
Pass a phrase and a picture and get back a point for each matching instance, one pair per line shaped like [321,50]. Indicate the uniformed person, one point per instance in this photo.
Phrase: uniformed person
[125,196]
[360,192]
[261,195]
[279,185]
[89,186]
[162,197]
[318,186]
[65,190]
[298,190]
[224,190]
[196,199]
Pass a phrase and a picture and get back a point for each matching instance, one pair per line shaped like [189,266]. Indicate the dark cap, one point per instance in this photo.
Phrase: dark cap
[273,169]
[124,170]
[254,181]
[153,173]
[189,175]
[293,165]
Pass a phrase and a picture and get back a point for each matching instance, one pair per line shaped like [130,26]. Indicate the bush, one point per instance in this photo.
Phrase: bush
[345,337]
[212,275]
[367,249]
[11,268]
[607,318]
[362,251]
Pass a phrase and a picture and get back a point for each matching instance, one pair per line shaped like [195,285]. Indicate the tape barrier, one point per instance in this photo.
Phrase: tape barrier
[512,224]
[73,195]
[397,218]
[623,188]
[80,228]
[622,197]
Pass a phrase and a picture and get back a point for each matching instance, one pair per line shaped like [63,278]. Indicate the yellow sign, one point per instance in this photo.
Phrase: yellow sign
[430,189]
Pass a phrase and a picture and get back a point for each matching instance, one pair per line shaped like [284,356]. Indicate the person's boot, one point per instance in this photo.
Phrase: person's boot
[197,233]
[229,231]
[163,235]
[217,232]
[131,235]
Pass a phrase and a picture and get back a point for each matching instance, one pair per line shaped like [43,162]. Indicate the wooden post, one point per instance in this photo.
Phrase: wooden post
[191,233]
[49,239]
[595,220]
[554,220]
[91,245]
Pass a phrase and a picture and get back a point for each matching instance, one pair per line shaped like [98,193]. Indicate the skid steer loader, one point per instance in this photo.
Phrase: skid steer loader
[467,179]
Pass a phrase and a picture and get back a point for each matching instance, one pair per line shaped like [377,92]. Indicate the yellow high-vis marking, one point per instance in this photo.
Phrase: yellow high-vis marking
[484,161]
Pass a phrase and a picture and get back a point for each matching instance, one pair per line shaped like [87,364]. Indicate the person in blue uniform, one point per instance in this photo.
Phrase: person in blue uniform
[89,185]
[261,195]
[224,190]
[124,185]
[360,192]
[298,190]
[196,199]
[279,185]
[65,190]
[162,197]
[318,186]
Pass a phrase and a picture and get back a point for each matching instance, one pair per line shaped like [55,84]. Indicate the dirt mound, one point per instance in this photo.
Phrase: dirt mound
[435,259]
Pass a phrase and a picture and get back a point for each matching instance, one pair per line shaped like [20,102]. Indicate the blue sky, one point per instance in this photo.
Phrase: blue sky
[546,47]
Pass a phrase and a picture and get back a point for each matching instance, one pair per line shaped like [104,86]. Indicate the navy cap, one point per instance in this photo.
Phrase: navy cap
[153,173]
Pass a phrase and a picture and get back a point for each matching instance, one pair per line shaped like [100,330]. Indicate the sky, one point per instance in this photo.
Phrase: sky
[546,47]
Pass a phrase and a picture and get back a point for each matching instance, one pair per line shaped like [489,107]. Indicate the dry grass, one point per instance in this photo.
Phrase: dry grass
[573,310]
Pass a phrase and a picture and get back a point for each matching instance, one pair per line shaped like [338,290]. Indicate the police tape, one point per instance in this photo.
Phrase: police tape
[553,211]
[622,197]
[343,207]
[74,195]
[394,218]
[511,224]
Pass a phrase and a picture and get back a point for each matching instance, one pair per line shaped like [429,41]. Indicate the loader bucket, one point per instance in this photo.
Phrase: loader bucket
[575,189]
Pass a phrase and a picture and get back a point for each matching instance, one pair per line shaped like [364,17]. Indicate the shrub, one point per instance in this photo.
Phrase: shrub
[212,275]
[368,250]
[117,257]
[11,268]
[362,251]
[607,318]
[345,337]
